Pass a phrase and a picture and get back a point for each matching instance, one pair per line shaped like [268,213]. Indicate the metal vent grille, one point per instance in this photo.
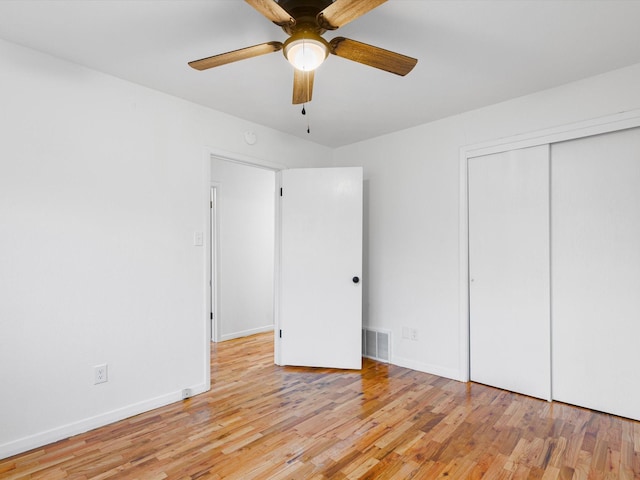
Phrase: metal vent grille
[376,344]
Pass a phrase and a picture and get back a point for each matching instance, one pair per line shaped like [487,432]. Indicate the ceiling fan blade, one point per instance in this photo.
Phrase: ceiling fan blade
[273,11]
[302,86]
[373,56]
[341,12]
[236,55]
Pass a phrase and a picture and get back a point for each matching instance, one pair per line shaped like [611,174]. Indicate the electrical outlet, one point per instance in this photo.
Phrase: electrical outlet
[414,334]
[100,374]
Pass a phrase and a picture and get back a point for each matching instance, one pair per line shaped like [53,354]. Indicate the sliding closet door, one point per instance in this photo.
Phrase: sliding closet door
[596,272]
[509,270]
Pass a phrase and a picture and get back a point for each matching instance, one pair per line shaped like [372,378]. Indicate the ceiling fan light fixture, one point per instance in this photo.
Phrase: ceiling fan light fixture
[306,52]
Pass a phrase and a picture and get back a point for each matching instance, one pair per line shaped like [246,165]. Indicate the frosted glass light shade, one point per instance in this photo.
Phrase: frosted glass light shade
[306,53]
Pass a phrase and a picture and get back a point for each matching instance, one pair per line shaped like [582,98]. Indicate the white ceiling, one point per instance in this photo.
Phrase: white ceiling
[471,53]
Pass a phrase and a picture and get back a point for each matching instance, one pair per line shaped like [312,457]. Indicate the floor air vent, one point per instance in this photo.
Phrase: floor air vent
[376,344]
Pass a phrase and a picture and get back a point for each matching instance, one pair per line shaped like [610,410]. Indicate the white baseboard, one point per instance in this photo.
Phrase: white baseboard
[246,333]
[451,373]
[64,431]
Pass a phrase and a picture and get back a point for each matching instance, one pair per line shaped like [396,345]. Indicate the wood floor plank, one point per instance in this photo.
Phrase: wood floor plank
[261,421]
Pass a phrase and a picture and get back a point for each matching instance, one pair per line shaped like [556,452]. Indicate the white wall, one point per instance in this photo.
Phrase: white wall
[102,186]
[246,219]
[412,197]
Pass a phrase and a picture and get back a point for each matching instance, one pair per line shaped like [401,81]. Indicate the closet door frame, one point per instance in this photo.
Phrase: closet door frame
[606,124]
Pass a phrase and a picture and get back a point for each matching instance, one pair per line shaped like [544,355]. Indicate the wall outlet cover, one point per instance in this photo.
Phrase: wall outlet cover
[100,374]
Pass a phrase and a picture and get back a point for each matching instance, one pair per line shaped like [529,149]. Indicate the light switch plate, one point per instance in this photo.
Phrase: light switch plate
[198,239]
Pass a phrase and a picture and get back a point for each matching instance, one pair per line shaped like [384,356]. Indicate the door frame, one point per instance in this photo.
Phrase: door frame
[214,252]
[211,244]
[587,128]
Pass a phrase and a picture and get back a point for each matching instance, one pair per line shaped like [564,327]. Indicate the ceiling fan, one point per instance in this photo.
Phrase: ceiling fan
[305,21]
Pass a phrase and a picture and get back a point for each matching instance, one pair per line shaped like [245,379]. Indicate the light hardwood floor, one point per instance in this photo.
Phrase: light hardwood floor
[260,421]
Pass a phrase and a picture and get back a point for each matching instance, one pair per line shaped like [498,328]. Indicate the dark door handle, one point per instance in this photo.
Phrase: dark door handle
[356,280]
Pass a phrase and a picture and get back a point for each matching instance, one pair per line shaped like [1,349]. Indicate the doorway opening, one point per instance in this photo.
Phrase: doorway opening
[242,221]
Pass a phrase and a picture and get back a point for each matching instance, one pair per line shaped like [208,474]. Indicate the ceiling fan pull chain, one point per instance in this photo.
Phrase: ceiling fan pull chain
[304,112]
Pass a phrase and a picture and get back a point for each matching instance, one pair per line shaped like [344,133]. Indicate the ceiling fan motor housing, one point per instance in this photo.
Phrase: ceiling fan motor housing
[305,13]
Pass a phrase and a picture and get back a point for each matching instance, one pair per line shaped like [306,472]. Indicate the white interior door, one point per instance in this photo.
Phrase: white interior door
[509,290]
[320,262]
[596,272]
